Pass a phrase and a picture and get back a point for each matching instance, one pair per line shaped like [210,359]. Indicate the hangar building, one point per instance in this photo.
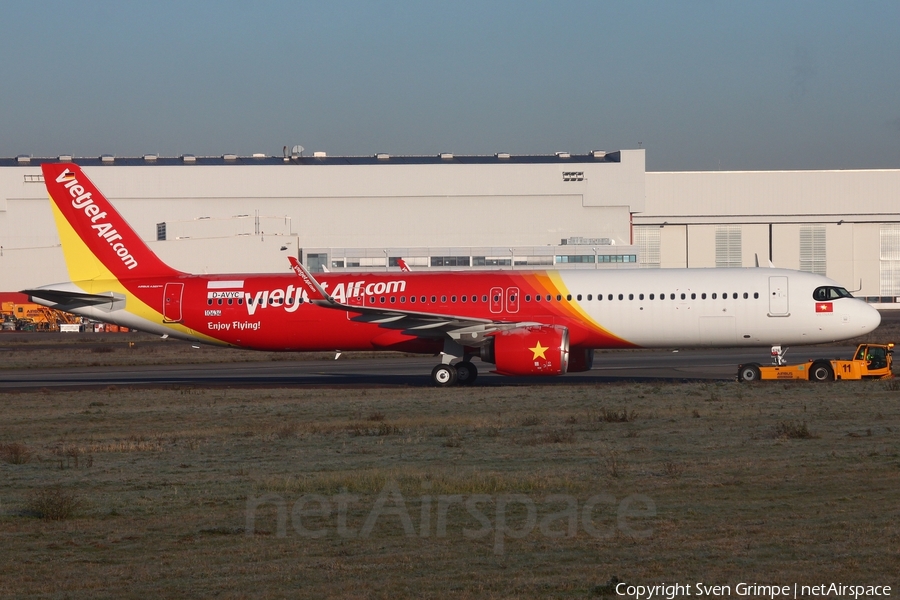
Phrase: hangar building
[596,210]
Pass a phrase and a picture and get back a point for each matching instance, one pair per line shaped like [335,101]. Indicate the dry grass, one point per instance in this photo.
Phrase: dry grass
[53,503]
[158,484]
[15,453]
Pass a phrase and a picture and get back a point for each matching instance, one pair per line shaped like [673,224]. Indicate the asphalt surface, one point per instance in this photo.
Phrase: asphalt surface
[609,366]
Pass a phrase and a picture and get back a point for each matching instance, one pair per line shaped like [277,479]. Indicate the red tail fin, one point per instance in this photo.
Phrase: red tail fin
[101,229]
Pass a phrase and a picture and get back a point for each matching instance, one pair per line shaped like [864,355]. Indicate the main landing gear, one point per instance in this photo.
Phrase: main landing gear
[462,373]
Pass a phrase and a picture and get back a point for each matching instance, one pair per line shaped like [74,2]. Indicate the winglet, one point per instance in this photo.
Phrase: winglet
[314,291]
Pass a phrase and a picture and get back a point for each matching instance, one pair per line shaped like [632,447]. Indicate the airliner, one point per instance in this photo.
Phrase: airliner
[524,323]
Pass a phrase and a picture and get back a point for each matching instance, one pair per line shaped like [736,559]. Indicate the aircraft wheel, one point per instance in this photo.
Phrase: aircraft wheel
[749,372]
[444,375]
[821,371]
[466,373]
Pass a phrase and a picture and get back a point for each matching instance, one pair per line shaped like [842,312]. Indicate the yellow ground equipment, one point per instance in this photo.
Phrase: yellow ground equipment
[870,361]
[28,316]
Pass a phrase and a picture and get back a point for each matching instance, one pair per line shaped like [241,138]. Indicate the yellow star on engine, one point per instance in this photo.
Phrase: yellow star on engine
[539,351]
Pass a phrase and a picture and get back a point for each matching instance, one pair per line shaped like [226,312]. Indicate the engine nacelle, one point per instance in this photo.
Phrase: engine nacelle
[533,350]
[580,359]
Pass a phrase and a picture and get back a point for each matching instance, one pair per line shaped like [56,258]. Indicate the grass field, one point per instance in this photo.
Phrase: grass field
[513,492]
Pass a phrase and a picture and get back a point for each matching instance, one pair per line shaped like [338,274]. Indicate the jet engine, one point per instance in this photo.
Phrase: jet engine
[530,350]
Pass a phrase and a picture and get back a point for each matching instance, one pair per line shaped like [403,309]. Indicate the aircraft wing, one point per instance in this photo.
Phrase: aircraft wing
[464,329]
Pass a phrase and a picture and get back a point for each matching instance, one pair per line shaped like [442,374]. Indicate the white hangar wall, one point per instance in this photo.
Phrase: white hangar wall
[843,224]
[245,215]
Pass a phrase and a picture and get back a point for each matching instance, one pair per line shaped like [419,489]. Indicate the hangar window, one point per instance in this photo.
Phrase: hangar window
[889,259]
[812,249]
[728,246]
[450,261]
[616,258]
[647,240]
[491,261]
[574,258]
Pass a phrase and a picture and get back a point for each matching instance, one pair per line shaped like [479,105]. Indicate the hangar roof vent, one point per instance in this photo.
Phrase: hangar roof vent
[598,153]
[319,154]
[151,157]
[65,157]
[563,155]
[229,156]
[23,158]
[107,158]
[258,155]
[189,158]
[503,155]
[383,156]
[446,156]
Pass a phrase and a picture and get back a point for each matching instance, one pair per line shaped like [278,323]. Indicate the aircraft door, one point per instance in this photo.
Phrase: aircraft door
[778,296]
[512,299]
[172,302]
[496,300]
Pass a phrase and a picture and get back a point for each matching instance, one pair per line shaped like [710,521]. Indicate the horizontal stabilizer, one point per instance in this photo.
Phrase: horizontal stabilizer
[66,298]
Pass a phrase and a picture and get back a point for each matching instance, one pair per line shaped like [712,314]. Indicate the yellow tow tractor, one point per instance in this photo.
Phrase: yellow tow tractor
[870,361]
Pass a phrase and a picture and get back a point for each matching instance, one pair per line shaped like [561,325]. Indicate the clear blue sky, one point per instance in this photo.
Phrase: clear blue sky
[701,85]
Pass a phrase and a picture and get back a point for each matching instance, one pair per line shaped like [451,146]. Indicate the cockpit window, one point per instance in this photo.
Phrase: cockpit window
[826,293]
